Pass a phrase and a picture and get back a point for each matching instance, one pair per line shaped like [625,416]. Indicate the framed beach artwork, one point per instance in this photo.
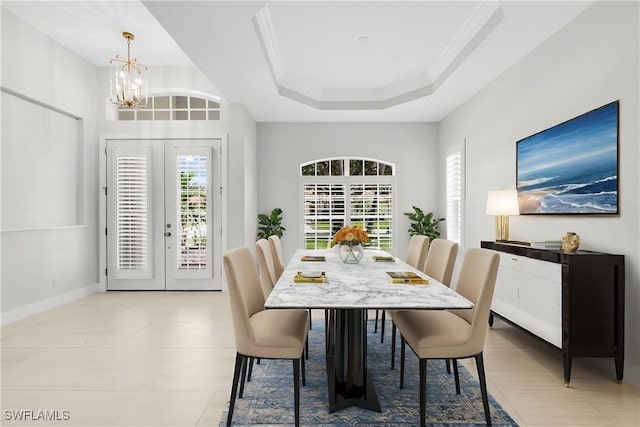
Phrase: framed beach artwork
[571,168]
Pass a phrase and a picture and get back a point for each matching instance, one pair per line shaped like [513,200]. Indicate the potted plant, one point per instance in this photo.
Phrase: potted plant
[269,225]
[423,224]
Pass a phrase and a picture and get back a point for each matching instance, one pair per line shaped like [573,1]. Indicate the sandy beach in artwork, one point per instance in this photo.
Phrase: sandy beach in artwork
[530,201]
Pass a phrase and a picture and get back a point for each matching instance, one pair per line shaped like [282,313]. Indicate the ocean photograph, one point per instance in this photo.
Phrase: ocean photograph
[572,167]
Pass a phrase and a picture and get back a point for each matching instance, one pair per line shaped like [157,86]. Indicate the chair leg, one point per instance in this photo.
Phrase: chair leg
[296,390]
[423,391]
[403,344]
[455,374]
[375,325]
[250,370]
[304,378]
[384,315]
[310,323]
[243,375]
[393,345]
[306,348]
[483,388]
[448,362]
[234,386]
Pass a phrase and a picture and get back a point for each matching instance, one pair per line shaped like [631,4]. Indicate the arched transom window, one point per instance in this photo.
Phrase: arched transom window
[343,191]
[175,107]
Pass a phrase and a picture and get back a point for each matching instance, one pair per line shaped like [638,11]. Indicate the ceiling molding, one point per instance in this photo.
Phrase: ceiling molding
[484,18]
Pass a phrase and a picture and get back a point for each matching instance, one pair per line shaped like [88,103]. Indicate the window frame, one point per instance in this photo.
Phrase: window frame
[173,111]
[347,180]
[460,151]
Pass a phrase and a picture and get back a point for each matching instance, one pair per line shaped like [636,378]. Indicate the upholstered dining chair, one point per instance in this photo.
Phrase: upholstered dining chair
[417,251]
[416,258]
[276,251]
[439,264]
[266,266]
[453,334]
[260,333]
[278,262]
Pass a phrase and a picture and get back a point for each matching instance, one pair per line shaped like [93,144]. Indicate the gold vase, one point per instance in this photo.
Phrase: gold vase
[570,242]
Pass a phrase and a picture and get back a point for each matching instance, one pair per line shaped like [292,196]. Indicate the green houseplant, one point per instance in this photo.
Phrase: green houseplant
[269,225]
[423,224]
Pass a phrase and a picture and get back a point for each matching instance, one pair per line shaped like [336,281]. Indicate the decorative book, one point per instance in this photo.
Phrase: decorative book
[383,258]
[407,277]
[310,277]
[547,244]
[313,258]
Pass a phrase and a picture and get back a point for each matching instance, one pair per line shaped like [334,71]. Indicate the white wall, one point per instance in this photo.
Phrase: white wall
[42,70]
[282,147]
[242,172]
[52,75]
[589,63]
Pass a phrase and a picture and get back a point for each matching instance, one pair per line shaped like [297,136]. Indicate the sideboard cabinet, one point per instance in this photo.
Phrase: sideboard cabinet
[574,301]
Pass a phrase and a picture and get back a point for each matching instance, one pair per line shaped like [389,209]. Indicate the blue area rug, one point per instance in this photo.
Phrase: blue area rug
[268,398]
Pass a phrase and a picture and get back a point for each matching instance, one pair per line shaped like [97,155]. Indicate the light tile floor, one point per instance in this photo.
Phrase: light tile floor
[166,359]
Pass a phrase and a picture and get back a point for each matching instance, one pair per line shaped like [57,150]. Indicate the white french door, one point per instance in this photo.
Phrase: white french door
[163,214]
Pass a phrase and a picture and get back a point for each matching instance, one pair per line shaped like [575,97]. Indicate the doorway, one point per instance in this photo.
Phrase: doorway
[163,214]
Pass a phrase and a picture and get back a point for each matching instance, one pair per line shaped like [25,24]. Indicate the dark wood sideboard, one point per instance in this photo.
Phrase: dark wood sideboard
[591,295]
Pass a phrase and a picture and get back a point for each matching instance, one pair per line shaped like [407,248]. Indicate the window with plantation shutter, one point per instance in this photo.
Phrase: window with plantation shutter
[323,213]
[192,180]
[372,206]
[455,196]
[347,191]
[132,221]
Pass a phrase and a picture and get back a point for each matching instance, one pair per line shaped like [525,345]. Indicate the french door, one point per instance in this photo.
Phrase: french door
[163,214]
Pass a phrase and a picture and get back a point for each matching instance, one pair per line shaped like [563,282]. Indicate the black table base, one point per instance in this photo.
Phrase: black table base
[349,382]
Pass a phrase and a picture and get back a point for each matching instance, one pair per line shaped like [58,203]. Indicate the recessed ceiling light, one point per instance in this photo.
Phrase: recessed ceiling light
[364,39]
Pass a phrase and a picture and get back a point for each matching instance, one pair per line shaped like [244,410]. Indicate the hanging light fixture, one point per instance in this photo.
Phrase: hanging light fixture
[126,87]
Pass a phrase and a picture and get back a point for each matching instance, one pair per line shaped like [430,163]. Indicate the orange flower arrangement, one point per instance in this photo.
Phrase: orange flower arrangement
[350,235]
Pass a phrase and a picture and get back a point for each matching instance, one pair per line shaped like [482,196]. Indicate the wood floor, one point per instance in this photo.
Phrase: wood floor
[166,359]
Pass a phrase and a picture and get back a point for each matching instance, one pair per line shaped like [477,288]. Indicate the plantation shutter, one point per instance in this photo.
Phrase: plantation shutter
[454,196]
[132,217]
[372,206]
[347,191]
[324,213]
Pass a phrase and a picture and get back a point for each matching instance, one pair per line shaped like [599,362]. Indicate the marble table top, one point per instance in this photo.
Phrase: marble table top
[359,286]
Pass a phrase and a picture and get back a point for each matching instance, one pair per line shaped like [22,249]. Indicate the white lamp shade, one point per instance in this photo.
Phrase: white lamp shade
[502,202]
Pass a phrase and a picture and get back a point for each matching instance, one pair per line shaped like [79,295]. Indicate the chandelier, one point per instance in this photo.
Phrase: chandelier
[126,87]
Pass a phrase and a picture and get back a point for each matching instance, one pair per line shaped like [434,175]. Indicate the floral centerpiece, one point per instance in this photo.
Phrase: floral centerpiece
[350,239]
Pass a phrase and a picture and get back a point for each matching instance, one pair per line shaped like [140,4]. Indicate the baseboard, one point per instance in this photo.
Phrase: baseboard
[25,311]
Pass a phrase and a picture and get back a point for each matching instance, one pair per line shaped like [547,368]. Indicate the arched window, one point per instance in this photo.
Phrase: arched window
[343,191]
[175,107]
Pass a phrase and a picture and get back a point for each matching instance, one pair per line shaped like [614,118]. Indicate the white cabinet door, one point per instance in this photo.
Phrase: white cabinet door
[529,293]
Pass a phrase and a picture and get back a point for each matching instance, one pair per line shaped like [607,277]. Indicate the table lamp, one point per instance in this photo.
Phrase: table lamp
[502,204]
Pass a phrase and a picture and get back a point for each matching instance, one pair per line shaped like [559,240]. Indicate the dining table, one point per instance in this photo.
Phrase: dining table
[347,291]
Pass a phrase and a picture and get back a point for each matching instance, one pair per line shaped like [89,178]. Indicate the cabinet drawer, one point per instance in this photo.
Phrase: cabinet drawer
[545,270]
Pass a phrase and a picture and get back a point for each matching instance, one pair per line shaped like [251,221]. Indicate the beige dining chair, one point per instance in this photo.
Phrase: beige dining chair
[453,334]
[417,251]
[275,246]
[439,264]
[260,333]
[276,251]
[266,267]
[416,258]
